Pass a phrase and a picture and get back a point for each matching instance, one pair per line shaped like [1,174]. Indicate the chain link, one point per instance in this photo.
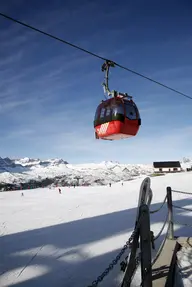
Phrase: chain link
[162,228]
[180,207]
[117,258]
[154,211]
[127,245]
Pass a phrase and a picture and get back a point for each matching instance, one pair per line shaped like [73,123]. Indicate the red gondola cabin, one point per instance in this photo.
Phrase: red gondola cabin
[116,118]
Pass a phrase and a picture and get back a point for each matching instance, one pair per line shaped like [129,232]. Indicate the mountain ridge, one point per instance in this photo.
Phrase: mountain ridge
[23,170]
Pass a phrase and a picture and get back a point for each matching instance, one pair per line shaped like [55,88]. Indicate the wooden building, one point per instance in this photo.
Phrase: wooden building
[167,166]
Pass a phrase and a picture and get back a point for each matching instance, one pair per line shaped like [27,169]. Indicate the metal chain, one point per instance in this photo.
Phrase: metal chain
[117,258]
[154,211]
[163,226]
[184,192]
[127,245]
[180,207]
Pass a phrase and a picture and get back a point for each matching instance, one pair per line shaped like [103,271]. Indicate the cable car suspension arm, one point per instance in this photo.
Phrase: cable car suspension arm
[105,67]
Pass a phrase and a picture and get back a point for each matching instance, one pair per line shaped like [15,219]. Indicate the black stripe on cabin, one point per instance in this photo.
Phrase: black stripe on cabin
[168,164]
[106,119]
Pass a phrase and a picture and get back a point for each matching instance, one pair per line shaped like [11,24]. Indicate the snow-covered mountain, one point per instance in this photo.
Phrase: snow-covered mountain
[186,162]
[27,169]
[35,162]
[60,171]
[7,164]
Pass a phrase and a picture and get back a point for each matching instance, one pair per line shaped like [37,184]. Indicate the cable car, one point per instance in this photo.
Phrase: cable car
[117,117]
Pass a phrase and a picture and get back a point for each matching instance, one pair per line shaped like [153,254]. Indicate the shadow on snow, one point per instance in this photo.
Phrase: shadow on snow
[61,250]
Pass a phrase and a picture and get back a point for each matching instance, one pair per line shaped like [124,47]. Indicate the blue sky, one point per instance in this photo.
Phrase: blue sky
[49,91]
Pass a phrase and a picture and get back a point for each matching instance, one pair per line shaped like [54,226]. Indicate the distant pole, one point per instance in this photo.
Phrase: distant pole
[170,214]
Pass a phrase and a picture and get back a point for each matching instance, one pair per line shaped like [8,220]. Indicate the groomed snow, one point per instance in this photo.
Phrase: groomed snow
[51,239]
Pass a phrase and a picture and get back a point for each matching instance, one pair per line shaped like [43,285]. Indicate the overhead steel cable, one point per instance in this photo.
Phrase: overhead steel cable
[93,54]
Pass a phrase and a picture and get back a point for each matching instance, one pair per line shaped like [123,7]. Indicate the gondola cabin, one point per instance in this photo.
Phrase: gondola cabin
[116,118]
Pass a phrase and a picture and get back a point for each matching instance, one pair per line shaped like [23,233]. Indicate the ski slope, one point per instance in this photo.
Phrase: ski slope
[51,239]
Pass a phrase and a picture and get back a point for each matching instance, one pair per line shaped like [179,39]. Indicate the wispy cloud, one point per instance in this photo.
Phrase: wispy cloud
[9,106]
[49,91]
[12,59]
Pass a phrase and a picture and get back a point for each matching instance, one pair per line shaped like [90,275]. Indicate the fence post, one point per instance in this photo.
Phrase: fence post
[170,234]
[145,238]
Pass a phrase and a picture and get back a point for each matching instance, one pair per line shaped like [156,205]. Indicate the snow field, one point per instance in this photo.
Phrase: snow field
[51,239]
